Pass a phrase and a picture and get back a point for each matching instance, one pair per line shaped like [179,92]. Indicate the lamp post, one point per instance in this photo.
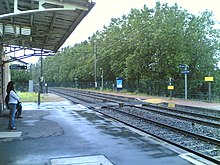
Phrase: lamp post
[76,85]
[102,78]
[95,63]
[152,67]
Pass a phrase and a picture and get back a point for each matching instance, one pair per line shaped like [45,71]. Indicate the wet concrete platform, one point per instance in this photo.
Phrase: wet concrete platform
[58,133]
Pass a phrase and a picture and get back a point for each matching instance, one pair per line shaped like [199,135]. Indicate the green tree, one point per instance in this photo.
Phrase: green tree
[21,78]
[147,44]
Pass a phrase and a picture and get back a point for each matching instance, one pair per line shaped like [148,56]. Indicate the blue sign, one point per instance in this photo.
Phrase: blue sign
[185,71]
[15,66]
[182,66]
[119,82]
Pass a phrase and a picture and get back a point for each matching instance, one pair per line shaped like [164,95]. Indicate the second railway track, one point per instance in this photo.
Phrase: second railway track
[191,131]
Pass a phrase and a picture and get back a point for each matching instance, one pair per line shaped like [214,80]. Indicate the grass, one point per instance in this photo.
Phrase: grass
[28,96]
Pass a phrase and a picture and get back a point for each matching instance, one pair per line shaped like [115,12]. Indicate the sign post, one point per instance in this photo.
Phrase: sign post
[170,87]
[209,80]
[186,92]
[185,71]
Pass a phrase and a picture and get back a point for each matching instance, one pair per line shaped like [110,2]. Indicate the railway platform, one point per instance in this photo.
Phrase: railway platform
[58,132]
[173,102]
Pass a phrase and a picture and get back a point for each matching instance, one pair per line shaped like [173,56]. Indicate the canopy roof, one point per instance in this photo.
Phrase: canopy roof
[40,24]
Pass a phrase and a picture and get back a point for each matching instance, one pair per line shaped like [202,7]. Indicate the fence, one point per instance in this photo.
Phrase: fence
[197,90]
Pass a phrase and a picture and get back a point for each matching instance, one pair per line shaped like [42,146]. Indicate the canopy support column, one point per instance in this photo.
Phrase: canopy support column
[2,79]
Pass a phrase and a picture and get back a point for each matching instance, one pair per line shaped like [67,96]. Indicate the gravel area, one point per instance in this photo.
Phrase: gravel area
[52,98]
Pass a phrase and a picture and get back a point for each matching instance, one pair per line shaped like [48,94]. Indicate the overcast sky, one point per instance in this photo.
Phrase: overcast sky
[104,10]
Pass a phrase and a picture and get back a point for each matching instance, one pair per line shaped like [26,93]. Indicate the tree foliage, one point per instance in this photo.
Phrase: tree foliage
[21,78]
[146,44]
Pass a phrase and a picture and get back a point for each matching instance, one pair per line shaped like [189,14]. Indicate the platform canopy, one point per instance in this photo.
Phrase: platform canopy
[40,24]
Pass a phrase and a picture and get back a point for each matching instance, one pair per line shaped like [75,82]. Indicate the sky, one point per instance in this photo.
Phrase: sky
[104,10]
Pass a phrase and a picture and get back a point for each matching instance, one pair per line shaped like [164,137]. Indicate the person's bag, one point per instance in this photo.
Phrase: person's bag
[18,105]
[6,101]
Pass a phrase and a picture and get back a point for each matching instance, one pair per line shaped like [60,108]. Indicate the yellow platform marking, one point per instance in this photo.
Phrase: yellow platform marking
[154,101]
[171,105]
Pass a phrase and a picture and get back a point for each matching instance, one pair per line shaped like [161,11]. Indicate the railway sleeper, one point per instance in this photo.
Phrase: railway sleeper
[121,104]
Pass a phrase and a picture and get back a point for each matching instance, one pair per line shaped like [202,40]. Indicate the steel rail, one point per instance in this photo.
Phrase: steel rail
[205,138]
[185,112]
[117,99]
[164,139]
[193,120]
[178,130]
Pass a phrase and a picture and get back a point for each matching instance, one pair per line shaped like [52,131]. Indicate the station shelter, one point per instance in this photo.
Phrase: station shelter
[36,28]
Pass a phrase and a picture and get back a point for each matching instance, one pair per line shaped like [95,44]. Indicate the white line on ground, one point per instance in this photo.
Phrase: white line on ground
[10,134]
[84,160]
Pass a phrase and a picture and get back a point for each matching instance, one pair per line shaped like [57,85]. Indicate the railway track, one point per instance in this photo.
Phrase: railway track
[191,131]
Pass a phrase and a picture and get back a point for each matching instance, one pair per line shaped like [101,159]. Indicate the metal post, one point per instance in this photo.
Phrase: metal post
[76,82]
[186,86]
[95,63]
[170,83]
[102,79]
[186,71]
[209,91]
[41,73]
[39,82]
[170,94]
